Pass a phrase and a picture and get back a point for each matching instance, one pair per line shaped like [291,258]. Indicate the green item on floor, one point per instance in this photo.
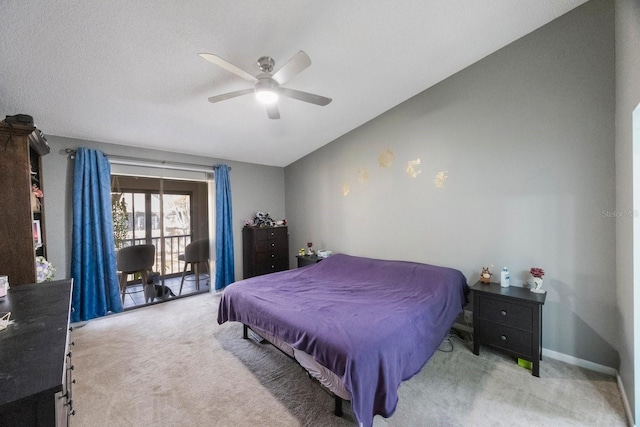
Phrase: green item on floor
[524,363]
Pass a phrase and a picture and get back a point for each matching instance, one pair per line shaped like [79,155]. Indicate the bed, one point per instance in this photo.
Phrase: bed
[360,326]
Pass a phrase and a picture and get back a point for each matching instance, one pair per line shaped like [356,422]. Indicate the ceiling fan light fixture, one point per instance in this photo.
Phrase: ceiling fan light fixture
[268,84]
[266,90]
[266,95]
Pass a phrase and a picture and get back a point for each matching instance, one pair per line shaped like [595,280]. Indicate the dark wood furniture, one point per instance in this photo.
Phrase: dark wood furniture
[265,250]
[304,260]
[35,361]
[509,319]
[22,146]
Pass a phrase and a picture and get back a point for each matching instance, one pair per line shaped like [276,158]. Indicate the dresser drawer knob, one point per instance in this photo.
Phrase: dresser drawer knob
[273,255]
[503,337]
[503,312]
[273,244]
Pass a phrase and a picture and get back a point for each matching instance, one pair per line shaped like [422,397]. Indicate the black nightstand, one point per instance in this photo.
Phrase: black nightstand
[304,260]
[509,319]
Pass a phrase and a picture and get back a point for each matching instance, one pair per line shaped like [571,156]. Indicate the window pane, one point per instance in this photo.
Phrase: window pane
[177,214]
[121,211]
[139,223]
[155,215]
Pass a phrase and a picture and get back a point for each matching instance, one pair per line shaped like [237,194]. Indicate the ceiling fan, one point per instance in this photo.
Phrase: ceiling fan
[268,84]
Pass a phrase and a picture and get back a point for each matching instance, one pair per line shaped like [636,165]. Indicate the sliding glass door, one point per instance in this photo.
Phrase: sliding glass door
[168,214]
[161,220]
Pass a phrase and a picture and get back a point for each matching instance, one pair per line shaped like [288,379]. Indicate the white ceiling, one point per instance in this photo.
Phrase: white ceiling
[128,72]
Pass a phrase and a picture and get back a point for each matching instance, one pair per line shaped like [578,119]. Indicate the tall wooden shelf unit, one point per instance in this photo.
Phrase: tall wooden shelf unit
[21,148]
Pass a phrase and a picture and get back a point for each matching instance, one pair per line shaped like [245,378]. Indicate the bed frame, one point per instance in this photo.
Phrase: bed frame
[337,399]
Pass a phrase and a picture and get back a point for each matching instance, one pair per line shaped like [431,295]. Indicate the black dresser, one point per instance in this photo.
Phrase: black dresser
[265,250]
[509,319]
[35,361]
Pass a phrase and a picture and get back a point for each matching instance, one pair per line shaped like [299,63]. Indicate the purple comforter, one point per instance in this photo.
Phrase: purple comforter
[374,323]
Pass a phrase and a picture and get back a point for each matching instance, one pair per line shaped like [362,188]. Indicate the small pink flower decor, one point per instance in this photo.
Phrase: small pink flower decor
[537,274]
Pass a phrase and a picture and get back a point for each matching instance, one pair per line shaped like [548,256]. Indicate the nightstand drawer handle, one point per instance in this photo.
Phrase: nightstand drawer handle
[273,244]
[273,255]
[503,312]
[503,337]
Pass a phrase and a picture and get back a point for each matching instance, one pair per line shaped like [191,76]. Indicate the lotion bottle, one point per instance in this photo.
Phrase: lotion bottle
[504,277]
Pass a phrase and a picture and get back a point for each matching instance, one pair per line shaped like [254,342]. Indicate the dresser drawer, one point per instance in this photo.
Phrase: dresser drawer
[509,313]
[267,257]
[272,267]
[263,234]
[272,245]
[506,338]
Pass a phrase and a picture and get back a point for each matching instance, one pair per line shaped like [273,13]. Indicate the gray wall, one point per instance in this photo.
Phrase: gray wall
[254,188]
[526,136]
[627,19]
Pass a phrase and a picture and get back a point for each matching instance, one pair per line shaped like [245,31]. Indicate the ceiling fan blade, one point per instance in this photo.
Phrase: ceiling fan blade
[230,95]
[215,59]
[298,63]
[304,96]
[272,111]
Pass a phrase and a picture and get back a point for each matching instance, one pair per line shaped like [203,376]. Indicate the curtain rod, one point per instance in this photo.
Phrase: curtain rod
[160,164]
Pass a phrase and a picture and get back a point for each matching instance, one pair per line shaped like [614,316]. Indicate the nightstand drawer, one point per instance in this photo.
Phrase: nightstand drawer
[506,337]
[508,313]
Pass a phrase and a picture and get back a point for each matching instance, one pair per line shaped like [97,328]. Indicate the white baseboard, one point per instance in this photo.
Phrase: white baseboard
[598,368]
[625,402]
[579,362]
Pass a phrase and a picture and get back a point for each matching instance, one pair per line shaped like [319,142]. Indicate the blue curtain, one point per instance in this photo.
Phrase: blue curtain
[224,229]
[96,290]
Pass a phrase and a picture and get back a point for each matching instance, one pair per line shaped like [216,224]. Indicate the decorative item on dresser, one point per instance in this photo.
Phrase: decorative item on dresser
[536,280]
[34,355]
[22,145]
[265,250]
[509,319]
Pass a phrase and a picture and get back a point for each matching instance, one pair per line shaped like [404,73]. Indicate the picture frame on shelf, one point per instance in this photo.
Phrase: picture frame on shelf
[37,233]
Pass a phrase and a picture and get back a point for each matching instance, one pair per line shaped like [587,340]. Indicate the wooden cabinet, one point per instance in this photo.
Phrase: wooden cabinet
[509,319]
[265,250]
[20,149]
[34,355]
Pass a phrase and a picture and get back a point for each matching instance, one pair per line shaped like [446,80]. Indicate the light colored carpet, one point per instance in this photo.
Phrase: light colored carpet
[172,365]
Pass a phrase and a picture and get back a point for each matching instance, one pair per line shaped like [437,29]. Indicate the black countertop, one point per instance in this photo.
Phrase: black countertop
[510,291]
[32,348]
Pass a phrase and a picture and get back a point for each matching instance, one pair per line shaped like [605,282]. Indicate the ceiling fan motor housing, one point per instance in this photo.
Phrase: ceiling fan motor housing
[266,64]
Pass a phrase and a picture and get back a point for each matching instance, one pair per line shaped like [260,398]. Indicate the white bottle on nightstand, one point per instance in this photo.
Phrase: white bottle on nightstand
[504,277]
